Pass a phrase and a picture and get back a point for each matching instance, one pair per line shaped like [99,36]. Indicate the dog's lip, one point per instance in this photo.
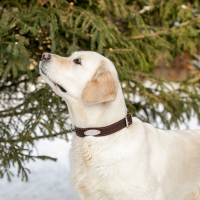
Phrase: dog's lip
[56,84]
[43,72]
[61,88]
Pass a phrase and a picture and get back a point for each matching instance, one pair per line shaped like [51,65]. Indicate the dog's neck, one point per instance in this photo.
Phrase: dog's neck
[97,115]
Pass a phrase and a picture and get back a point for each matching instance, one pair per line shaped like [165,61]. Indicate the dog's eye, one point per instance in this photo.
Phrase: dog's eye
[77,61]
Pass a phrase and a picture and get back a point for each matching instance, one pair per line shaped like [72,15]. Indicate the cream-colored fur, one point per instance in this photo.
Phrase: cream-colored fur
[136,163]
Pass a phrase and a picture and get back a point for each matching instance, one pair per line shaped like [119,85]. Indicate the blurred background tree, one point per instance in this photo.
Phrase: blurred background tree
[136,35]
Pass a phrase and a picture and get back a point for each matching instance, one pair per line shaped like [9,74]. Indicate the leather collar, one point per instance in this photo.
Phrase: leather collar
[107,130]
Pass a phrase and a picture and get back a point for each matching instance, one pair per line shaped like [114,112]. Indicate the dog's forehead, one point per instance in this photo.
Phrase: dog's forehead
[86,54]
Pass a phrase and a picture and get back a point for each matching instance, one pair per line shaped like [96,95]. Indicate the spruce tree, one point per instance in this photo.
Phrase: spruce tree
[134,35]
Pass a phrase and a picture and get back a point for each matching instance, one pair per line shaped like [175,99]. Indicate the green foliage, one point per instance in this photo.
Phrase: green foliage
[135,35]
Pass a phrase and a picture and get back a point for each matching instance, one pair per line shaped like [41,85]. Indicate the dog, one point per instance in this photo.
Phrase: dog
[137,162]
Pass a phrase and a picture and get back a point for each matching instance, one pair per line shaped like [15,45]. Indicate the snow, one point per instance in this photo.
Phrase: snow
[48,180]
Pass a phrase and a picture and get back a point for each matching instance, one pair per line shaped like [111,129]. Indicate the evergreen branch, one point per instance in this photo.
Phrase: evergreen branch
[12,109]
[165,32]
[31,138]
[3,87]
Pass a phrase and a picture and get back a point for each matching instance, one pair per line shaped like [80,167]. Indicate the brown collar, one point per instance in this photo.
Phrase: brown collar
[107,130]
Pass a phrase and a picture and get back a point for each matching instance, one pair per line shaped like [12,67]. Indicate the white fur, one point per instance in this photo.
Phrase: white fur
[136,163]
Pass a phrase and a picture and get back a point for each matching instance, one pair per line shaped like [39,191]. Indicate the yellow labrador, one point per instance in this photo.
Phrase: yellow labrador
[138,162]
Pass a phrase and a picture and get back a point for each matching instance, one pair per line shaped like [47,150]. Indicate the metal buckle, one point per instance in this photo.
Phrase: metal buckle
[71,126]
[127,122]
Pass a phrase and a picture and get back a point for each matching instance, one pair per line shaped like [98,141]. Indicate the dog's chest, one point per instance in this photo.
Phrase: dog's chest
[110,170]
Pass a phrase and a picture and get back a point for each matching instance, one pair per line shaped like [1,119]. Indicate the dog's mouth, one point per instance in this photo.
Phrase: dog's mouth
[56,84]
[44,73]
[61,88]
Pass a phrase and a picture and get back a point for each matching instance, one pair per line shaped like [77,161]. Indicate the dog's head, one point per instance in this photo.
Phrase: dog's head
[86,76]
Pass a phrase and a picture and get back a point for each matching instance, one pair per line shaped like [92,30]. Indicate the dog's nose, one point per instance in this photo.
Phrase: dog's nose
[46,56]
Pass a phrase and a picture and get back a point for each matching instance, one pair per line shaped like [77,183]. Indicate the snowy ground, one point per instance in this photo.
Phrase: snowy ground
[49,180]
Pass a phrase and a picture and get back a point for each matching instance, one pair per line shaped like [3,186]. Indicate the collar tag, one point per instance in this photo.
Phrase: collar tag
[92,132]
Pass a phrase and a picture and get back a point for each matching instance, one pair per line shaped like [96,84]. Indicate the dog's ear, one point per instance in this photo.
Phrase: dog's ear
[101,88]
